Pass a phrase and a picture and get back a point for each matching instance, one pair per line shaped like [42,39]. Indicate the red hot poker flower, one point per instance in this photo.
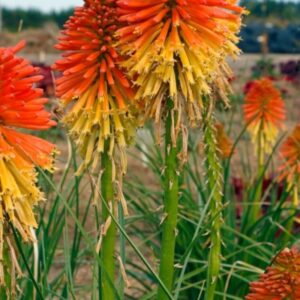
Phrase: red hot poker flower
[264,109]
[92,80]
[177,49]
[21,106]
[281,281]
[290,152]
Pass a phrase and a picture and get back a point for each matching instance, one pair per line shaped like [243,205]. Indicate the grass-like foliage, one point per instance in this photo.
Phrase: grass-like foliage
[65,263]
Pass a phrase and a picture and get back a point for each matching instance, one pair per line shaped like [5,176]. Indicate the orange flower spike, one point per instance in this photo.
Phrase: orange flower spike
[177,48]
[21,106]
[290,153]
[92,84]
[281,280]
[264,110]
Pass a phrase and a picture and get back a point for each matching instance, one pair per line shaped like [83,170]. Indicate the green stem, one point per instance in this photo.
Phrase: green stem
[256,200]
[294,207]
[214,180]
[295,197]
[171,198]
[122,250]
[109,240]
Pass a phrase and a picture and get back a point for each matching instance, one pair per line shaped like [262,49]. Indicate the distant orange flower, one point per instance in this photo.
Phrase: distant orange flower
[21,106]
[290,152]
[177,49]
[264,109]
[281,281]
[223,141]
[92,80]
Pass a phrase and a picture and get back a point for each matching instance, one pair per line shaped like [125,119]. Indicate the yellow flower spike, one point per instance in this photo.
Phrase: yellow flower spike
[178,47]
[19,194]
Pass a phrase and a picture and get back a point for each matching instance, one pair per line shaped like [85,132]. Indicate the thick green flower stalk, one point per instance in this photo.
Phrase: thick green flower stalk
[176,54]
[109,240]
[171,198]
[98,99]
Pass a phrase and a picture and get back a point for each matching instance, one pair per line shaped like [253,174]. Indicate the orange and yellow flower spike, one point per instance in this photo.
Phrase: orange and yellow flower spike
[290,169]
[92,85]
[281,280]
[290,152]
[177,49]
[21,106]
[100,102]
[264,110]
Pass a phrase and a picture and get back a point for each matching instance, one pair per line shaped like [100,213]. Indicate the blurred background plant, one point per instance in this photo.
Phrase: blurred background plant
[68,262]
[68,236]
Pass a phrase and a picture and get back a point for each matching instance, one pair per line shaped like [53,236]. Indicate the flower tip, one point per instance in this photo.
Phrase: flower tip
[19,46]
[281,280]
[52,123]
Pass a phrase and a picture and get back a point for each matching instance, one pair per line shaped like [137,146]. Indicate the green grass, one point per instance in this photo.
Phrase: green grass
[70,219]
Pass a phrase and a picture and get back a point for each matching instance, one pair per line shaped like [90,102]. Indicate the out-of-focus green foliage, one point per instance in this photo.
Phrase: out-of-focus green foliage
[32,18]
[273,9]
